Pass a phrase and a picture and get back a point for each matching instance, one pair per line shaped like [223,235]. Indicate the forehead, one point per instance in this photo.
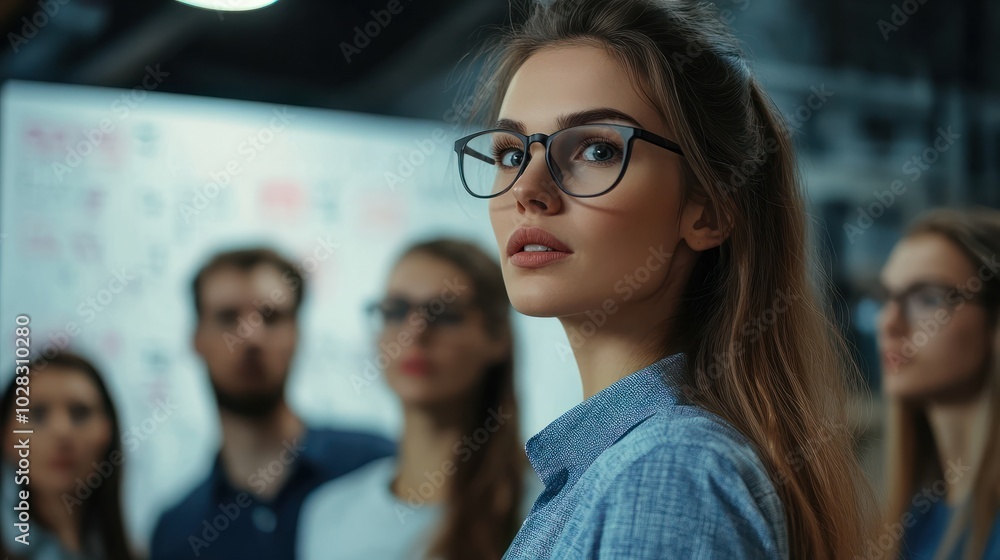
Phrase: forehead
[566,79]
[59,383]
[421,277]
[927,257]
[229,286]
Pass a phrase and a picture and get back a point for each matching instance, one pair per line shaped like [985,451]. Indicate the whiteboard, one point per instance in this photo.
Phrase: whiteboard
[96,182]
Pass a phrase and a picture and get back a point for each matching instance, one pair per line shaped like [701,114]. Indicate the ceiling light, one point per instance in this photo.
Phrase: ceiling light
[229,5]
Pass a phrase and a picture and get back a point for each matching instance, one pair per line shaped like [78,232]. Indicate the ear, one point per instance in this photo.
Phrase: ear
[701,226]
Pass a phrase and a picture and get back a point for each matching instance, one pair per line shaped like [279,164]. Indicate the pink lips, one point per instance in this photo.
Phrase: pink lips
[415,366]
[535,259]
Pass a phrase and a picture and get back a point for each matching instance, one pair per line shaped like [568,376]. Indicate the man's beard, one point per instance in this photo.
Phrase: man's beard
[254,405]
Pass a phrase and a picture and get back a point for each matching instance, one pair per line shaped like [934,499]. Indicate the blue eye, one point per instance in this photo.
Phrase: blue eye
[599,152]
[511,158]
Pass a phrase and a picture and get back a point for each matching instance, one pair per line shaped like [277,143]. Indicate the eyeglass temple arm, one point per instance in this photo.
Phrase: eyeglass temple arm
[658,140]
[478,155]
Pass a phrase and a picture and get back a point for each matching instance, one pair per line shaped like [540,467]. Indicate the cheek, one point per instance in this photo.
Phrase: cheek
[218,353]
[503,219]
[95,440]
[281,342]
[631,244]
[947,354]
[960,346]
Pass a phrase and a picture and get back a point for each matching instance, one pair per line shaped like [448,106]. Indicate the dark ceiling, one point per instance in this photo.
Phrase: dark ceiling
[292,52]
[301,52]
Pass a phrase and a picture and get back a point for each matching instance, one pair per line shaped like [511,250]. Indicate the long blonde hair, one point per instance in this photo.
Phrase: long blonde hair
[785,386]
[912,459]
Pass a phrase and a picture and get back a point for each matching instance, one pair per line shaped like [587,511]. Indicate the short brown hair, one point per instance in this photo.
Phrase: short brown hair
[245,260]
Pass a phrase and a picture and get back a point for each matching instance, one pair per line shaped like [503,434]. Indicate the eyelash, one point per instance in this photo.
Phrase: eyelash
[499,149]
[591,141]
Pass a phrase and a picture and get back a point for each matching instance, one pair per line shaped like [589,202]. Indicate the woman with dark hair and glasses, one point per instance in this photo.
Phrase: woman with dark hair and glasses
[643,189]
[75,438]
[940,351]
[457,488]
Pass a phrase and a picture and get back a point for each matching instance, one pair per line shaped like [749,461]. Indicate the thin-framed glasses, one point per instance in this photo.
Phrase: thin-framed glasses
[392,313]
[584,161]
[922,300]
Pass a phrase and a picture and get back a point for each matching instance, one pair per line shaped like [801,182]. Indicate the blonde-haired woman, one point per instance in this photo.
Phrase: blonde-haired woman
[939,346]
[643,190]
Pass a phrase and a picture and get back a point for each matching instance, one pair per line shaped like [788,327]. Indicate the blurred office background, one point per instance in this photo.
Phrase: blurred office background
[147,135]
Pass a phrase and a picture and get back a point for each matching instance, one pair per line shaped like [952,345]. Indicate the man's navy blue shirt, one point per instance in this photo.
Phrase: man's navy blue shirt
[217,521]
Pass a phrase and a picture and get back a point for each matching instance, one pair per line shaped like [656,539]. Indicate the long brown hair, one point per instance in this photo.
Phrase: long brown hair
[912,459]
[483,502]
[102,511]
[781,381]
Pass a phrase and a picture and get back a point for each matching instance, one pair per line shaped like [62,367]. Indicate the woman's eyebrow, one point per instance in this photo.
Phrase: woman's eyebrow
[575,119]
[595,115]
[510,124]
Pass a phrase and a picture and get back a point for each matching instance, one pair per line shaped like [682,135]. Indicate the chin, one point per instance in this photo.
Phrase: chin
[57,482]
[424,392]
[410,389]
[533,300]
[533,307]
[427,397]
[903,387]
[532,292]
[900,391]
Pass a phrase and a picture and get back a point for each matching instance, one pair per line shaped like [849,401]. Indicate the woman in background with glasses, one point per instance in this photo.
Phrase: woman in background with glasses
[642,188]
[940,351]
[75,459]
[455,489]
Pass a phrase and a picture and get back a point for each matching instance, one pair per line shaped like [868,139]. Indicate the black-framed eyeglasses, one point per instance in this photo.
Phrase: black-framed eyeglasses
[922,300]
[392,312]
[585,161]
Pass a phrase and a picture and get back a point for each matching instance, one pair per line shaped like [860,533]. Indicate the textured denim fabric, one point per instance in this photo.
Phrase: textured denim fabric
[635,472]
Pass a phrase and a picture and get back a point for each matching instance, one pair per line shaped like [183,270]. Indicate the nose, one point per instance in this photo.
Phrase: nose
[414,325]
[61,425]
[535,190]
[256,325]
[890,321]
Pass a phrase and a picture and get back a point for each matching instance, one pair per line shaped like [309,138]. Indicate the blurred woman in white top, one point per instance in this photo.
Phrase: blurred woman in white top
[459,486]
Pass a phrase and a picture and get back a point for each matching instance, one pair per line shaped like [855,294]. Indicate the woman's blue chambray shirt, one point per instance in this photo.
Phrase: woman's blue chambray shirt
[633,473]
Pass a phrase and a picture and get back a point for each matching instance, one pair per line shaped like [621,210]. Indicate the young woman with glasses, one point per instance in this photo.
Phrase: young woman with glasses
[454,491]
[940,351]
[642,189]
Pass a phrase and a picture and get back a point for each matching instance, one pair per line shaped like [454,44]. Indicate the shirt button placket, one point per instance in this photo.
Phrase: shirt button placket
[264,519]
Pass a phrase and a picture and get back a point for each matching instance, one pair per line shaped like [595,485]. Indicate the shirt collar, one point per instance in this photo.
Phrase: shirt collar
[309,457]
[564,449]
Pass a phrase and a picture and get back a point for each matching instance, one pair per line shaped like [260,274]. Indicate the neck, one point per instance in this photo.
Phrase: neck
[58,519]
[427,452]
[623,335]
[628,341]
[251,444]
[960,430]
